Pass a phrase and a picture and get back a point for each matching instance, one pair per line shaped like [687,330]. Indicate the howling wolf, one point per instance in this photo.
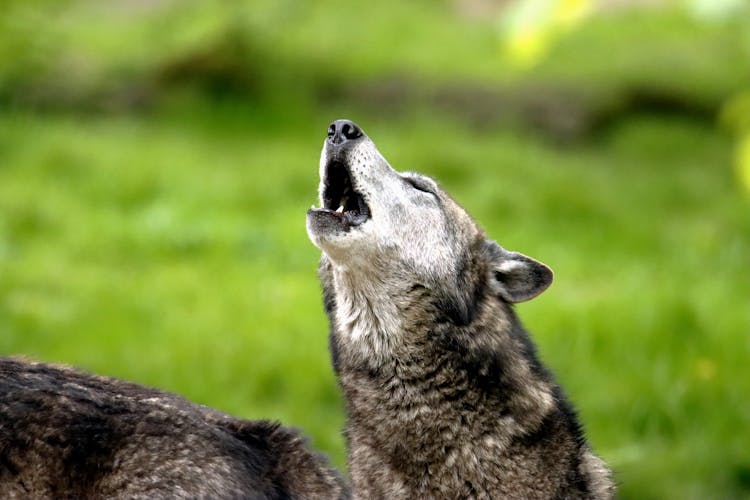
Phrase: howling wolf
[68,434]
[445,395]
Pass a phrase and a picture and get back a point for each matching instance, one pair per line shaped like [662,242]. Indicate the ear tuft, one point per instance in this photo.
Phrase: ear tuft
[516,277]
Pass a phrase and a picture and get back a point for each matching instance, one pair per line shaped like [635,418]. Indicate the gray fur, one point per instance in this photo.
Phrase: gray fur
[445,395]
[68,434]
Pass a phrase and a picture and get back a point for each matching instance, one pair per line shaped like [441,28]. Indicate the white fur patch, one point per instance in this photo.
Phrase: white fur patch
[509,266]
[596,471]
[366,312]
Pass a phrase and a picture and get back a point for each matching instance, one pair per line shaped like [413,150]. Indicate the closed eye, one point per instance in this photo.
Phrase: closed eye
[419,185]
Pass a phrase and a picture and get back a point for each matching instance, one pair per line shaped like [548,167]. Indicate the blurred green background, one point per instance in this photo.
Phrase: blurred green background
[157,159]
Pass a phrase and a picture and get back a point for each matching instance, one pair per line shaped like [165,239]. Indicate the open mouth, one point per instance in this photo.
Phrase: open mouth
[340,199]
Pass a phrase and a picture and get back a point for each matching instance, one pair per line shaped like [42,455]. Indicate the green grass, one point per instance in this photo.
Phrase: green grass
[166,243]
[174,253]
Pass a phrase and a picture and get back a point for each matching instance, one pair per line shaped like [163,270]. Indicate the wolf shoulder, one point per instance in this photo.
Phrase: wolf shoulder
[68,434]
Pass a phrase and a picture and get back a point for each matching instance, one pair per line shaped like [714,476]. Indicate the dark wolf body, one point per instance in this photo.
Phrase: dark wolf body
[445,394]
[68,434]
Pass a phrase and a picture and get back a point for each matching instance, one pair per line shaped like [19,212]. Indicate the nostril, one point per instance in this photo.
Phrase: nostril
[331,129]
[351,131]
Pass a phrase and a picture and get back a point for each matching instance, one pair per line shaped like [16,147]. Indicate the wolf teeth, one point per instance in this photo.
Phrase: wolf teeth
[340,209]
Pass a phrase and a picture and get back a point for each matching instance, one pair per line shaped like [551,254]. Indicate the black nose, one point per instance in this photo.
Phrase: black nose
[341,131]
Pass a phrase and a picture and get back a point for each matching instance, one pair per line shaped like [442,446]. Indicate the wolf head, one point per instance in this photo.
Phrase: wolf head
[388,237]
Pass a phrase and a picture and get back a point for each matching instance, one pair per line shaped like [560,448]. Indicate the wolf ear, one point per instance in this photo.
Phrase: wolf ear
[516,277]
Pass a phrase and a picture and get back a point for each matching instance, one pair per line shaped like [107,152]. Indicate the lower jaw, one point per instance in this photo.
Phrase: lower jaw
[343,221]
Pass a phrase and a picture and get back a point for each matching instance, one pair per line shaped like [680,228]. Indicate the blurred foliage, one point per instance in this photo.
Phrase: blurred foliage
[531,28]
[735,116]
[157,158]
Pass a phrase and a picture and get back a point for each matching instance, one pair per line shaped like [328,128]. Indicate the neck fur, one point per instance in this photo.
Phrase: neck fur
[367,314]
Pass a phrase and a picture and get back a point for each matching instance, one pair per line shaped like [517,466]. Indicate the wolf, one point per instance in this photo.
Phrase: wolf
[445,395]
[68,434]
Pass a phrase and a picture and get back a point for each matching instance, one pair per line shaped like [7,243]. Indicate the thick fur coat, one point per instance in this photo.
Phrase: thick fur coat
[68,434]
[445,394]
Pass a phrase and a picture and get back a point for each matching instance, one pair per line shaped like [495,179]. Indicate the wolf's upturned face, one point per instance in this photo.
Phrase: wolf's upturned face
[395,244]
[374,218]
